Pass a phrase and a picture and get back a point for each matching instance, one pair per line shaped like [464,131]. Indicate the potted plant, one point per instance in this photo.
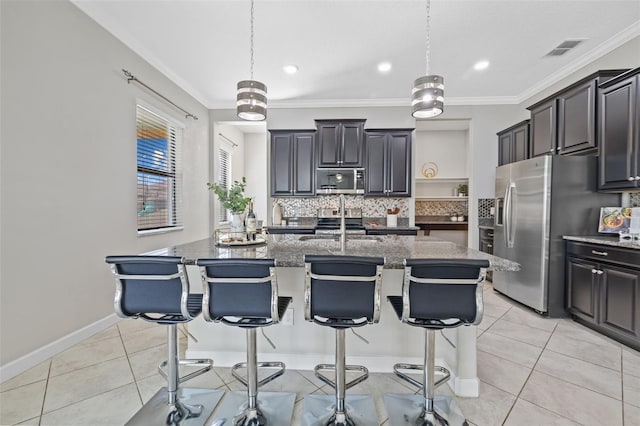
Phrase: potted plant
[463,190]
[232,199]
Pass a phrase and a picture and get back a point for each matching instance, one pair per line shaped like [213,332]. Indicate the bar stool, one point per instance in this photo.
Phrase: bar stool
[341,292]
[244,293]
[156,289]
[436,294]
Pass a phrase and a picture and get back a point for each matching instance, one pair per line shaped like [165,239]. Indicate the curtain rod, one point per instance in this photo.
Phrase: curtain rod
[228,140]
[131,77]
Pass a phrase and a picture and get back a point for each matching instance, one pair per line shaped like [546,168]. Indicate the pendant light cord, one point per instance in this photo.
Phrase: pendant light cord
[428,33]
[251,43]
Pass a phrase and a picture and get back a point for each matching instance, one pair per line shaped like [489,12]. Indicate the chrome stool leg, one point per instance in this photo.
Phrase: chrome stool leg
[173,405]
[425,410]
[248,408]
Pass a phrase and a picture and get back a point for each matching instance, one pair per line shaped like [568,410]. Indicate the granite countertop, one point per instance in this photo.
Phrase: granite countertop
[288,250]
[428,220]
[607,241]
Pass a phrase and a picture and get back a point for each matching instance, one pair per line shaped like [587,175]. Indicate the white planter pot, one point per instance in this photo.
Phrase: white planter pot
[236,222]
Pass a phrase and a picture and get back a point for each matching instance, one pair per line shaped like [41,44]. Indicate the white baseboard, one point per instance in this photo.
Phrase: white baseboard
[34,358]
[467,387]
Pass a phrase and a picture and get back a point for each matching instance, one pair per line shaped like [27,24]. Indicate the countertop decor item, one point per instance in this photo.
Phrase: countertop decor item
[429,169]
[233,198]
[614,219]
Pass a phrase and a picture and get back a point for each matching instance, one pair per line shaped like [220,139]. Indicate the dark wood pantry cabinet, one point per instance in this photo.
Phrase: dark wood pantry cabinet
[388,162]
[603,289]
[513,143]
[340,143]
[619,133]
[292,162]
[566,122]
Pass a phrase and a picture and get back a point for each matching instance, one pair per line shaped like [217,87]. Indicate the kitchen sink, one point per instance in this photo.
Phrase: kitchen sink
[336,237]
[323,237]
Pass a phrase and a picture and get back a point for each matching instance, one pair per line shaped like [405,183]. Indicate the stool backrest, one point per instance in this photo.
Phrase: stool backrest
[245,288]
[342,288]
[150,285]
[445,291]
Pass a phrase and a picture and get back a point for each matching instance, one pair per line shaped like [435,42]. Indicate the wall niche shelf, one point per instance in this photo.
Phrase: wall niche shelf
[421,179]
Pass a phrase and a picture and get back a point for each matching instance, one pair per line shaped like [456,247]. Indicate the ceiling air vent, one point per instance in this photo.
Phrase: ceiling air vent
[564,47]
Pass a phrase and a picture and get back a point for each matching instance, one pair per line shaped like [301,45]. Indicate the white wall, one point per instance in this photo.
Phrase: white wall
[68,170]
[256,171]
[447,149]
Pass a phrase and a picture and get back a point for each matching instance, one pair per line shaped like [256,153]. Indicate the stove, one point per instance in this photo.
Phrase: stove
[328,220]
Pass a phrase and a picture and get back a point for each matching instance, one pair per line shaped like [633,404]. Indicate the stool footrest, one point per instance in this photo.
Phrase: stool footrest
[273,364]
[332,367]
[206,363]
[446,374]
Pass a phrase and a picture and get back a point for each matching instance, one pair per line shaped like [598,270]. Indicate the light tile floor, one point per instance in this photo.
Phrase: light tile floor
[533,371]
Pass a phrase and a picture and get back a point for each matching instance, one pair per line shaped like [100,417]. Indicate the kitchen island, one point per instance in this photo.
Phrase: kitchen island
[301,344]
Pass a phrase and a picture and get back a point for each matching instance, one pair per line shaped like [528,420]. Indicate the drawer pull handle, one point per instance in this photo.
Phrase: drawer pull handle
[490,234]
[600,253]
[600,272]
[631,178]
[637,177]
[594,271]
[490,245]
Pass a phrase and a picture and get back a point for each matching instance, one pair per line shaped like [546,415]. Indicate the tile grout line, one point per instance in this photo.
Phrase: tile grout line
[46,387]
[126,353]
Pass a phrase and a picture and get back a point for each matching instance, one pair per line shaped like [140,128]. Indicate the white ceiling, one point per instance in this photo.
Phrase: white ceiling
[203,46]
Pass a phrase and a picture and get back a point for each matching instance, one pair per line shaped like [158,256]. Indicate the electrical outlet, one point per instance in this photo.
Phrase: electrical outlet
[492,210]
[287,319]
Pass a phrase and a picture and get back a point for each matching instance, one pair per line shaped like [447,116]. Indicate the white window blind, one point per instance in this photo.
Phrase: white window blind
[224,180]
[159,171]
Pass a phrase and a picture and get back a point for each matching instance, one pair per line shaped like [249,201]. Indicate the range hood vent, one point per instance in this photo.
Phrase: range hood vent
[564,47]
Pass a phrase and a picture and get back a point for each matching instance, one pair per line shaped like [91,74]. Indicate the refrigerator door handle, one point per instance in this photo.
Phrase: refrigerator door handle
[508,215]
[512,188]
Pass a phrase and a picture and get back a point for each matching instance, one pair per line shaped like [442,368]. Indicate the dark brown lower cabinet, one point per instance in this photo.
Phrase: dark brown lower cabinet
[603,289]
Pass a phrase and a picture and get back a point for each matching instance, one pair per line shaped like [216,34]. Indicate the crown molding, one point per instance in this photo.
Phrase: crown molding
[599,51]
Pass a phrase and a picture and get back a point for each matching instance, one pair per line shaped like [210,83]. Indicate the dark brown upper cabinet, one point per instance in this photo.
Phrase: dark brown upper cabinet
[513,143]
[566,122]
[619,133]
[388,162]
[340,143]
[293,169]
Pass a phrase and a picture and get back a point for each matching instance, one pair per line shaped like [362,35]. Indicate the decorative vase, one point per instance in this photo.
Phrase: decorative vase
[236,222]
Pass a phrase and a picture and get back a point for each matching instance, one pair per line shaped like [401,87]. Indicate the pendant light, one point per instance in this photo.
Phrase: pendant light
[252,95]
[427,96]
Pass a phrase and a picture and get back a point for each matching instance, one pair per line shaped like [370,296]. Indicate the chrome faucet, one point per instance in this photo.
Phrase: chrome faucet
[343,226]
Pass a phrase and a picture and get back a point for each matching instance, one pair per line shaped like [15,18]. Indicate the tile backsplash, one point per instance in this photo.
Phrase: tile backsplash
[441,207]
[634,199]
[371,207]
[484,207]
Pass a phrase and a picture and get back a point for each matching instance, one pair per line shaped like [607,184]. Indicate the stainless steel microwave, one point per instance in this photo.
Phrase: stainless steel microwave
[339,181]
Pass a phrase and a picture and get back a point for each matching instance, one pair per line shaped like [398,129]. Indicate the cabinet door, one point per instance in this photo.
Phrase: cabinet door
[543,129]
[620,300]
[504,148]
[581,288]
[375,164]
[329,141]
[351,144]
[399,164]
[618,138]
[520,144]
[303,164]
[576,119]
[281,175]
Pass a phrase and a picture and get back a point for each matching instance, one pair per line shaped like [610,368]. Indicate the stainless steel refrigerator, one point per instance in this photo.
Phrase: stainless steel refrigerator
[537,202]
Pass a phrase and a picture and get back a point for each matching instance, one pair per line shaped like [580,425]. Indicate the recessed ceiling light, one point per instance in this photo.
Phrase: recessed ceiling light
[481,65]
[384,67]
[290,69]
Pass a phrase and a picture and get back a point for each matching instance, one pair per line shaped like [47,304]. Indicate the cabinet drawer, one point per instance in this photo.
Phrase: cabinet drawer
[602,253]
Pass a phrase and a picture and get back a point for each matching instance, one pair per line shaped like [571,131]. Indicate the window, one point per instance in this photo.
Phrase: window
[159,172]
[224,180]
